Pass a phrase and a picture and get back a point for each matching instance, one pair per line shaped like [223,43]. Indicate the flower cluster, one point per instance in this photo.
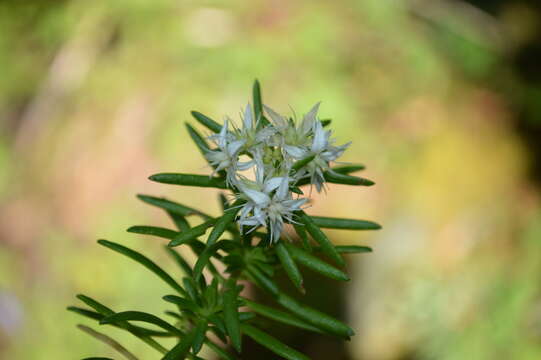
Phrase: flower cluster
[281,153]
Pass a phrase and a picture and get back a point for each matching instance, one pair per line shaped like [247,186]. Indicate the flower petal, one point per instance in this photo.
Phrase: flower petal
[258,197]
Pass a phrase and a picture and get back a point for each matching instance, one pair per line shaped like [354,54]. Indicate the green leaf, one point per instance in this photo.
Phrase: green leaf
[338,178]
[296,190]
[182,263]
[352,249]
[302,163]
[348,249]
[207,122]
[258,101]
[180,350]
[104,310]
[246,315]
[87,313]
[180,221]
[301,232]
[211,293]
[188,236]
[146,262]
[262,280]
[272,344]
[348,169]
[199,338]
[153,230]
[100,308]
[182,303]
[108,340]
[289,265]
[97,316]
[325,122]
[348,224]
[223,222]
[280,316]
[189,180]
[219,351]
[315,317]
[204,258]
[199,140]
[231,313]
[320,237]
[258,105]
[191,288]
[171,206]
[140,316]
[224,204]
[312,262]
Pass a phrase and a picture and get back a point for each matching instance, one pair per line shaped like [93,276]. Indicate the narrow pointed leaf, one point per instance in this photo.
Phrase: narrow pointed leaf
[339,178]
[140,316]
[348,169]
[94,304]
[258,105]
[134,330]
[325,122]
[191,288]
[182,303]
[347,179]
[258,101]
[180,221]
[280,316]
[143,260]
[352,249]
[301,232]
[223,222]
[219,351]
[246,315]
[170,206]
[316,264]
[206,121]
[204,258]
[187,236]
[348,224]
[289,265]
[315,317]
[302,163]
[153,230]
[199,337]
[296,190]
[262,280]
[97,316]
[272,343]
[189,180]
[199,140]
[108,340]
[179,259]
[320,237]
[180,350]
[231,314]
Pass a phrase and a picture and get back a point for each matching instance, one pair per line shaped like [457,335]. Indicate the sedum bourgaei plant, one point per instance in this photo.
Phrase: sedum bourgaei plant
[267,167]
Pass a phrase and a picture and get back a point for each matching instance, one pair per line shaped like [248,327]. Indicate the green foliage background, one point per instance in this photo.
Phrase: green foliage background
[92,100]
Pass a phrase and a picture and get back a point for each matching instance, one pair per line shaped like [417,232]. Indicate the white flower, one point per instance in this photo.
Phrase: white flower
[265,208]
[324,152]
[271,151]
[293,140]
[250,132]
[226,157]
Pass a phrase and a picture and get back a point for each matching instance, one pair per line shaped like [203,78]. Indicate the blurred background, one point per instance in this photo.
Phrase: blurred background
[441,98]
